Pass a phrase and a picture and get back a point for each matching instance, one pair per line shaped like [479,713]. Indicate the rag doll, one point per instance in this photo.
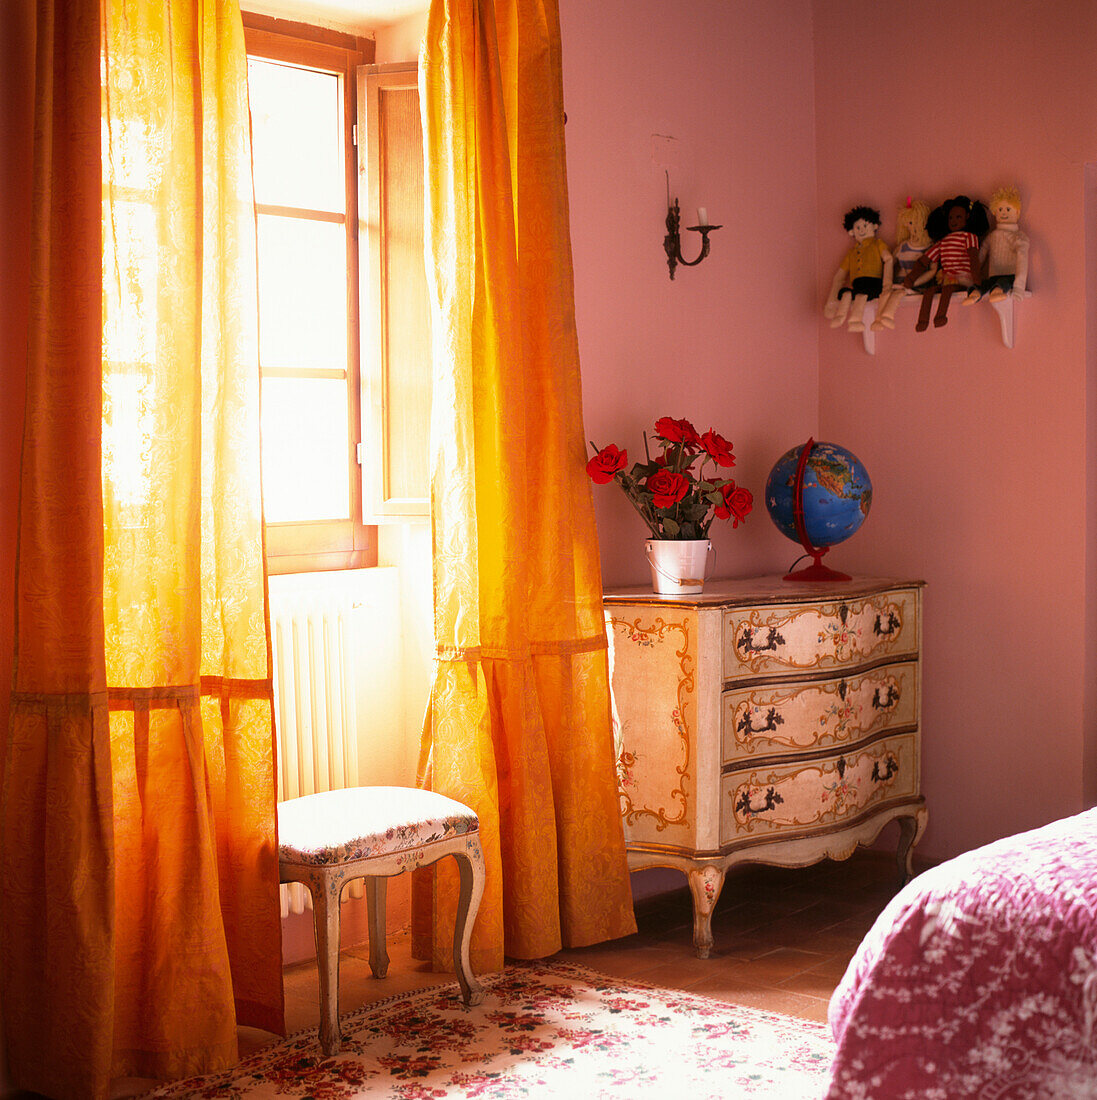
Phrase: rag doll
[911,241]
[864,273]
[956,228]
[1004,255]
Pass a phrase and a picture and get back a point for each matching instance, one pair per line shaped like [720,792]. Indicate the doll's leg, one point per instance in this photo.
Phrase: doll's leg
[1001,290]
[857,313]
[839,317]
[885,315]
[940,318]
[923,310]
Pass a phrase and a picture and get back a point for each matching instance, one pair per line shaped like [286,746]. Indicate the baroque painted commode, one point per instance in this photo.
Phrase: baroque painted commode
[765,721]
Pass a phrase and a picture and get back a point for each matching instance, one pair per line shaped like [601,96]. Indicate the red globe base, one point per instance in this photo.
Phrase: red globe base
[817,571]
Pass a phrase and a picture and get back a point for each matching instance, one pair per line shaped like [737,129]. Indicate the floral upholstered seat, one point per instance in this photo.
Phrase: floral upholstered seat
[327,839]
[317,828]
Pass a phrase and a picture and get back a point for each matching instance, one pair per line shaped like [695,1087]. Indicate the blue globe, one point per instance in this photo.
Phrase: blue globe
[837,494]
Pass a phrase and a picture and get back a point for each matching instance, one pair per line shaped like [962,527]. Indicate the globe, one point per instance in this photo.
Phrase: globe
[818,495]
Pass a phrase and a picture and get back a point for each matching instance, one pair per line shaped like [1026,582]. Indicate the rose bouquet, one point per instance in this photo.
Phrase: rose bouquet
[674,495]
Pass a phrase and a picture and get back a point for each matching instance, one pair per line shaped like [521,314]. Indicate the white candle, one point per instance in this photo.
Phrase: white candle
[702,216]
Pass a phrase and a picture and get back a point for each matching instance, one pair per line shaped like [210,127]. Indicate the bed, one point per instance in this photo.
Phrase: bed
[979,979]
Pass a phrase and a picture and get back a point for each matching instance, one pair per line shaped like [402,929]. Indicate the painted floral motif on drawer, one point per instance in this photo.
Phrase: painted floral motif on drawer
[780,718]
[818,794]
[825,635]
[653,773]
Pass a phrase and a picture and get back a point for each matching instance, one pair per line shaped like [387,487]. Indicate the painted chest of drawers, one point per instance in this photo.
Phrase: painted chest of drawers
[765,721]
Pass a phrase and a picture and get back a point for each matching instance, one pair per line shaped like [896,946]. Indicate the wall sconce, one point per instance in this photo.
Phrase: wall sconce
[672,242]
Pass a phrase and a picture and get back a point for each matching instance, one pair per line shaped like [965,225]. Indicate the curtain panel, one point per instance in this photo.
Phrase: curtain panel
[138,847]
[519,725]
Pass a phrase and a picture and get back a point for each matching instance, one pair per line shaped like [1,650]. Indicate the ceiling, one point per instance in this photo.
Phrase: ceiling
[354,16]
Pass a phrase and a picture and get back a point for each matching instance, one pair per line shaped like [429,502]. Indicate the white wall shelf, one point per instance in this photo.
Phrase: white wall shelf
[1005,308]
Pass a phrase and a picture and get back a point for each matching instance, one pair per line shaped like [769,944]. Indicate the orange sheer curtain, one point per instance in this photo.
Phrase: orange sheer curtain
[520,718]
[138,853]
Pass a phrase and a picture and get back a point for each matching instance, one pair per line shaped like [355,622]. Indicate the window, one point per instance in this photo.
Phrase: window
[302,92]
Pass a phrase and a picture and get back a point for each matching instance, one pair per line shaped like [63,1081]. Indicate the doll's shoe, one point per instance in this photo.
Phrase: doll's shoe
[882,322]
[975,296]
[837,322]
[997,294]
[857,326]
[939,321]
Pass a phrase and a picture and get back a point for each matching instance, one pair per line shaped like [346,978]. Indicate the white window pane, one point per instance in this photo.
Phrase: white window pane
[297,136]
[306,471]
[302,293]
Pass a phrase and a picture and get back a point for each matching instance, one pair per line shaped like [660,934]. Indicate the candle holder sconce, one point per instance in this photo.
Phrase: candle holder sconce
[672,242]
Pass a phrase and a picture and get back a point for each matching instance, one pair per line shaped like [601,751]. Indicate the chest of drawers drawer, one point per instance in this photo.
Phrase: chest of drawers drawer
[786,719]
[820,635]
[802,796]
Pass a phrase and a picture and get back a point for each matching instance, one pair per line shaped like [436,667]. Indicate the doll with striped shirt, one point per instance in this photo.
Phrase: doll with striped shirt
[956,228]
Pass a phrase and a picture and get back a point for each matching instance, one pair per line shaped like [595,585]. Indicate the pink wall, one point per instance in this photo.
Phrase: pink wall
[732,343]
[978,453]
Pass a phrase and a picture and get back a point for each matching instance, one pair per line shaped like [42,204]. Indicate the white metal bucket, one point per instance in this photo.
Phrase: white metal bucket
[678,566]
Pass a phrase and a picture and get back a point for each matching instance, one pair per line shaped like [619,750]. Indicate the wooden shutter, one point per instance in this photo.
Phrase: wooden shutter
[396,341]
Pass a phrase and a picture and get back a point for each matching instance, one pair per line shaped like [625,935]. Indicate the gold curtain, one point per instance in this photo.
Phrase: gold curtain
[137,836]
[519,726]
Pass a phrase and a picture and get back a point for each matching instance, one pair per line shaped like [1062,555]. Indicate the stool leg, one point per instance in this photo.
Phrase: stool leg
[326,890]
[376,893]
[470,864]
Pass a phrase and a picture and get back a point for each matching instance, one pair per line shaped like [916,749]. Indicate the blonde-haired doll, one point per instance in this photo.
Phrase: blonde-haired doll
[911,240]
[1003,257]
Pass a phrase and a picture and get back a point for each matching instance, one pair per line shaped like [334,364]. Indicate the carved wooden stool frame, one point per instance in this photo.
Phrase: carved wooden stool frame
[325,881]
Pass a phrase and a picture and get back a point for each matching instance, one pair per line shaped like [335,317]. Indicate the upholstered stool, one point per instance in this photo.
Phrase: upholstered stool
[325,840]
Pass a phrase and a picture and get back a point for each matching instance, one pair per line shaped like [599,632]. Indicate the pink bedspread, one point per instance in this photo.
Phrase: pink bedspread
[979,980]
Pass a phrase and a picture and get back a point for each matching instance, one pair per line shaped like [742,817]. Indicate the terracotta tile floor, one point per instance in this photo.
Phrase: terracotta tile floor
[783,938]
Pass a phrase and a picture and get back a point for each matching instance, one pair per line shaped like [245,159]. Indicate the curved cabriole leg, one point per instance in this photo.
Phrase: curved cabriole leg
[325,903]
[376,894]
[705,884]
[910,829]
[470,865]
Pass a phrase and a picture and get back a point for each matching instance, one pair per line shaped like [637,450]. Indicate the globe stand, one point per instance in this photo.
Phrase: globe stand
[817,571]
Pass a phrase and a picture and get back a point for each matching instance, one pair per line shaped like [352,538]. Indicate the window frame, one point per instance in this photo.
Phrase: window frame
[346,543]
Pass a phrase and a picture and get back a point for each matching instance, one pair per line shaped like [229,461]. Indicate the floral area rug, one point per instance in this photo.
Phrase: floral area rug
[542,1030]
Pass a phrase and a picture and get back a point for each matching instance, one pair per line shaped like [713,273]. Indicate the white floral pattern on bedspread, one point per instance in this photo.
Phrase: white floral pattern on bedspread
[979,980]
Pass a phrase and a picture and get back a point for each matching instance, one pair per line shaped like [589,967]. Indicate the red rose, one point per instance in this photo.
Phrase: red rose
[677,431]
[606,463]
[737,503]
[718,448]
[667,488]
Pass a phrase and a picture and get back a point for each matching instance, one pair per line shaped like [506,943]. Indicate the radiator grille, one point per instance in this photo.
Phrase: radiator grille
[315,644]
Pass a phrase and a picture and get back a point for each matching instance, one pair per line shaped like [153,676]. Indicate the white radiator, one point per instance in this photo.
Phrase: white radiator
[327,630]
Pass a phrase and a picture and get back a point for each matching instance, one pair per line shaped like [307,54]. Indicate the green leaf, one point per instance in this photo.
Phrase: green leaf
[671,527]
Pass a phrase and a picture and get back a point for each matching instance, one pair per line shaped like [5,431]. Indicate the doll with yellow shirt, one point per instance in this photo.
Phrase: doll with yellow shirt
[864,273]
